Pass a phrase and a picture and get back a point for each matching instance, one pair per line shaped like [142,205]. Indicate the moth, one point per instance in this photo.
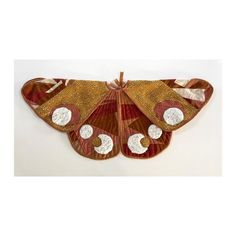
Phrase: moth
[103,118]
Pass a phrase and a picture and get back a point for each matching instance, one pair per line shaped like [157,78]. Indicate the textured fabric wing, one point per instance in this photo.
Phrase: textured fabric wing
[97,138]
[63,104]
[170,103]
[139,137]
[196,91]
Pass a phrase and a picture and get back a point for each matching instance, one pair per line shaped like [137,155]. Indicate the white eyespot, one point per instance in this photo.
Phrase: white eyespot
[154,131]
[173,116]
[135,145]
[86,131]
[106,146]
[61,116]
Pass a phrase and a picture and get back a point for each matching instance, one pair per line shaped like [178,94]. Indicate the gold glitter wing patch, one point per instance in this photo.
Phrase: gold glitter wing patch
[61,103]
[165,106]
[102,119]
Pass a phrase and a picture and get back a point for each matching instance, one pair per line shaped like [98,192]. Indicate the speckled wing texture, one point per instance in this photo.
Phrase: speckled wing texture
[103,119]
[78,98]
[170,103]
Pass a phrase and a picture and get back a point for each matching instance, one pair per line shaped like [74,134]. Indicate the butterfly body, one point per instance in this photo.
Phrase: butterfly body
[103,119]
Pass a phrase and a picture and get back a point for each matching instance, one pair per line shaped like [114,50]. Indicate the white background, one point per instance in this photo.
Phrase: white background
[195,149]
[149,29]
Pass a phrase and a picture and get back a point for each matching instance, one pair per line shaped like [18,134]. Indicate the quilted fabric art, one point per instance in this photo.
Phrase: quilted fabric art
[102,119]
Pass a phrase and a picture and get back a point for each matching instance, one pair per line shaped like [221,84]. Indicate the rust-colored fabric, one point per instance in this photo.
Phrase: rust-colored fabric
[83,95]
[151,97]
[103,120]
[133,121]
[118,111]
[193,84]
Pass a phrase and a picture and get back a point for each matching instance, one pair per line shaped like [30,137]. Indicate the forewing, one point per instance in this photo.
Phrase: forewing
[196,91]
[98,136]
[140,138]
[63,104]
[169,103]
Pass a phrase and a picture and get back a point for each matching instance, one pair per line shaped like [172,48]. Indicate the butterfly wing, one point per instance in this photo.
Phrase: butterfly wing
[98,125]
[98,136]
[139,137]
[196,91]
[63,104]
[169,103]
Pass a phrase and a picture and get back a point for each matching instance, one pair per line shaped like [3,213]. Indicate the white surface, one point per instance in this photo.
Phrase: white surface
[152,206]
[61,116]
[173,116]
[195,149]
[134,144]
[154,131]
[86,131]
[106,145]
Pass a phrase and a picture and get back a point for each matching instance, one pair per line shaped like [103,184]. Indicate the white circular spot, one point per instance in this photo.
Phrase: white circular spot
[61,116]
[135,145]
[154,131]
[106,146]
[86,131]
[173,116]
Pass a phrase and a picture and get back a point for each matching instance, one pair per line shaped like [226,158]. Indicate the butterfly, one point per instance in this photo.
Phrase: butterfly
[102,119]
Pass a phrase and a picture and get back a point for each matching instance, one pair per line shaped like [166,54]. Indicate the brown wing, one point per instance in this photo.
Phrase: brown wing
[169,103]
[63,104]
[196,91]
[140,138]
[97,137]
